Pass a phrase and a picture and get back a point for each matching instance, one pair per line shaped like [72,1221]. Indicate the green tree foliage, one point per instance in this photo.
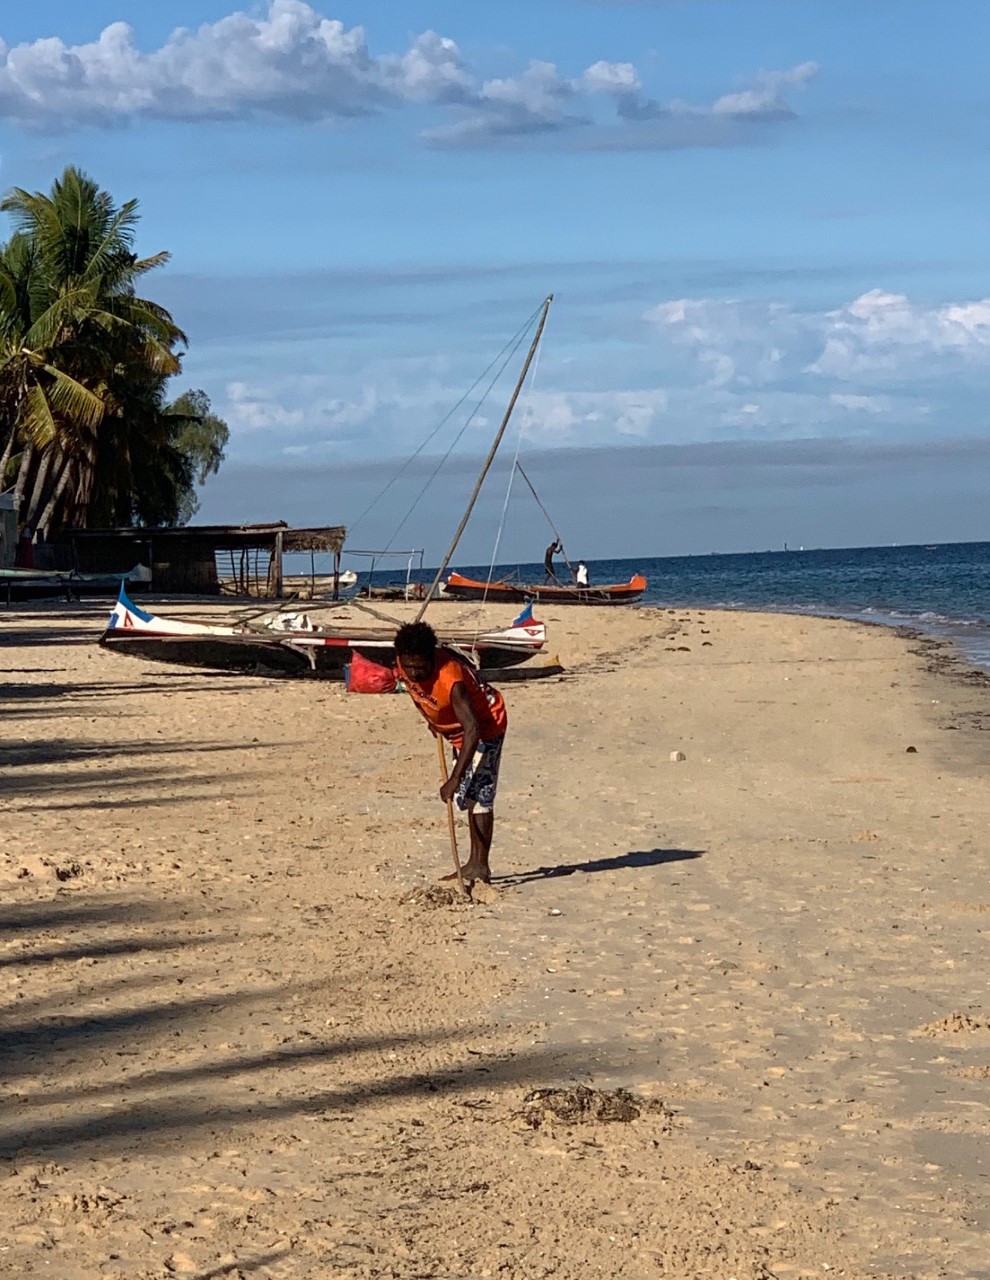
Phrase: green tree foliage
[201,440]
[89,438]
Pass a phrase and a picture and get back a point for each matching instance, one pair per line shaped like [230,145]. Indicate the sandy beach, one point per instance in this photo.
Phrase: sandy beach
[232,1045]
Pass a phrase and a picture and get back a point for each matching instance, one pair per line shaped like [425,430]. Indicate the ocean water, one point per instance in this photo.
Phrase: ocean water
[941,590]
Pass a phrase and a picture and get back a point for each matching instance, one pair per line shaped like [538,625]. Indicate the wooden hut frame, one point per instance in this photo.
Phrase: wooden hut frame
[203,559]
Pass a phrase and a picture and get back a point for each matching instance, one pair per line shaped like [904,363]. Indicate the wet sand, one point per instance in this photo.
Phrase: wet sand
[229,1047]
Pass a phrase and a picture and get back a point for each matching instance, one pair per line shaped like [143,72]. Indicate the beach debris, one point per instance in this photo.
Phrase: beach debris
[432,895]
[675,756]
[955,1024]
[582,1105]
[448,895]
[971,1073]
[555,911]
[911,751]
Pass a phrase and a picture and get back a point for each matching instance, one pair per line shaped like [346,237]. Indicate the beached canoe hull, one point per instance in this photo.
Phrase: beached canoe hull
[457,587]
[311,652]
[251,655]
[38,584]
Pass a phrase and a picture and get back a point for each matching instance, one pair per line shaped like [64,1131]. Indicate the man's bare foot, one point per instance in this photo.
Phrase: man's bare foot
[471,871]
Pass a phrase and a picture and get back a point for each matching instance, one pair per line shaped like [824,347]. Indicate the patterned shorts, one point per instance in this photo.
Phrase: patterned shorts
[480,781]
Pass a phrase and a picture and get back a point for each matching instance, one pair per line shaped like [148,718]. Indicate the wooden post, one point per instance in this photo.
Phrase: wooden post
[277,565]
[336,573]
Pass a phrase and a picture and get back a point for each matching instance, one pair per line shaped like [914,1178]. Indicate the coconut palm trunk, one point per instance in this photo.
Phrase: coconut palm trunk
[8,453]
[27,458]
[63,478]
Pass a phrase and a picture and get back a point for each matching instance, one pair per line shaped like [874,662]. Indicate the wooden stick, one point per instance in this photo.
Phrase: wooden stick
[556,534]
[441,753]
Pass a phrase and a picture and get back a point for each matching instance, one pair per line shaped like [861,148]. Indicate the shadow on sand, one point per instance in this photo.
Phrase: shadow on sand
[635,859]
[70,1059]
[62,774]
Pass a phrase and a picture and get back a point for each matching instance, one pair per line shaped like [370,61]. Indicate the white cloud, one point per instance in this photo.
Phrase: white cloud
[880,362]
[861,404]
[882,333]
[611,77]
[294,64]
[765,101]
[591,417]
[734,342]
[878,334]
[291,64]
[256,409]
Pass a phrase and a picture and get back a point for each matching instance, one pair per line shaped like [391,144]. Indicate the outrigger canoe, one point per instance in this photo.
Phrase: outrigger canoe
[291,644]
[46,584]
[457,587]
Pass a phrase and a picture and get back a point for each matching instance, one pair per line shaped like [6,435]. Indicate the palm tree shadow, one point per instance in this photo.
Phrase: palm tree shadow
[635,859]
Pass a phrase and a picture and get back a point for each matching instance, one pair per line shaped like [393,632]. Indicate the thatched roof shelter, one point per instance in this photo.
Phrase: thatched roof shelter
[245,559]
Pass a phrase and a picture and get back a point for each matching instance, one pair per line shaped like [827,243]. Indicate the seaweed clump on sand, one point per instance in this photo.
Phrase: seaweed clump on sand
[433,895]
[582,1105]
[449,895]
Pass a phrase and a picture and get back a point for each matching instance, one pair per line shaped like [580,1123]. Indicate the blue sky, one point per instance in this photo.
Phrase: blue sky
[765,222]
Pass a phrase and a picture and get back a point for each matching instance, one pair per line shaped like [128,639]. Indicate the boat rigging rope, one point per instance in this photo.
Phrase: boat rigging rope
[507,351]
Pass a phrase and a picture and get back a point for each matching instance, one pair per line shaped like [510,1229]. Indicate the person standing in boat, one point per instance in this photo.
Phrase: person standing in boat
[581,574]
[471,716]
[549,574]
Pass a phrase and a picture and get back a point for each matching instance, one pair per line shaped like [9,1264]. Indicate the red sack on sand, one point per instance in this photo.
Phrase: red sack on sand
[370,677]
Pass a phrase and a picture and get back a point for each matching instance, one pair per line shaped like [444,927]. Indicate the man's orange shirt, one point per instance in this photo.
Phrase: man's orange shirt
[433,698]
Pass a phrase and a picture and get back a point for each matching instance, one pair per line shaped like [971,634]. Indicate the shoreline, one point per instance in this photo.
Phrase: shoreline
[944,631]
[223,1016]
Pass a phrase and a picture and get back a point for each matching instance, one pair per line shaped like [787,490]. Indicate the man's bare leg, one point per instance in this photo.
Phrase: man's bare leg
[482,828]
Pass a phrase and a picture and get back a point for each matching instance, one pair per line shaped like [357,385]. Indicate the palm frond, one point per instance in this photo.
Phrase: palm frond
[116,241]
[142,266]
[72,401]
[39,426]
[65,314]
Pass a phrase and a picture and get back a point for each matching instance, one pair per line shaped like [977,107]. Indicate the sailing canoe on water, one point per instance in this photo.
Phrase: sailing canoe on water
[458,587]
[551,590]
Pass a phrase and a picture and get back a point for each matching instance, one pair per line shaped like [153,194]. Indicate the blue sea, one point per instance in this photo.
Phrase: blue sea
[941,590]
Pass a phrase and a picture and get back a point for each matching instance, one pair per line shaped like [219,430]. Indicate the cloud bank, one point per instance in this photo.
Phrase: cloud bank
[295,65]
[881,365]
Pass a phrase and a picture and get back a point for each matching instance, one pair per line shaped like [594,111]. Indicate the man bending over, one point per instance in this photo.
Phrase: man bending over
[471,716]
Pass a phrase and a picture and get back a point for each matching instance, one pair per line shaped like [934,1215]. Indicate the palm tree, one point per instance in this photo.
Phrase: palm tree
[80,352]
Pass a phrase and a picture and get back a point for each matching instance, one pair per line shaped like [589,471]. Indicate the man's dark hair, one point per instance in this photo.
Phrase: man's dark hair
[418,639]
